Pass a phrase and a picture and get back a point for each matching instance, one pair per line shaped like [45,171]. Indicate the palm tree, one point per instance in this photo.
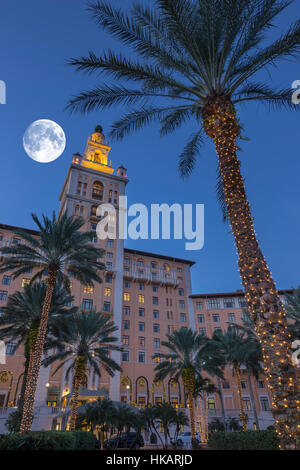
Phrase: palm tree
[60,250]
[203,386]
[166,416]
[22,315]
[237,349]
[185,358]
[83,342]
[97,415]
[201,59]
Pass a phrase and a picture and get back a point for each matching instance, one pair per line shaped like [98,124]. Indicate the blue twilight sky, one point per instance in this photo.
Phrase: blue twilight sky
[37,37]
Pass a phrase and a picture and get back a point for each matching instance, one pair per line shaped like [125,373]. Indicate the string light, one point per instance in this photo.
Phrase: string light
[266,310]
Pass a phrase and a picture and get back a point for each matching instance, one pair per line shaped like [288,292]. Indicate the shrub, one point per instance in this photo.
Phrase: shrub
[13,421]
[49,440]
[249,440]
[153,438]
[85,440]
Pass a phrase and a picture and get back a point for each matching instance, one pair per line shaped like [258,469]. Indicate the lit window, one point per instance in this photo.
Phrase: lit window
[88,289]
[126,296]
[97,192]
[157,359]
[107,292]
[141,299]
[25,282]
[125,340]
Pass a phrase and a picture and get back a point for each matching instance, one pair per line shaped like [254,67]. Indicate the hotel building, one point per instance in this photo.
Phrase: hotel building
[147,295]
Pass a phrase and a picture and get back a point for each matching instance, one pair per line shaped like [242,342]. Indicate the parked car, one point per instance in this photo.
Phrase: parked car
[185,438]
[130,440]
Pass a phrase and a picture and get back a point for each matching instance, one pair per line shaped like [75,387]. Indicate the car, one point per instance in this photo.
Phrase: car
[186,438]
[126,440]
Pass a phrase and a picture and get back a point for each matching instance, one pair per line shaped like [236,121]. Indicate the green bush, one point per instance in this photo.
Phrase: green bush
[48,440]
[85,440]
[249,440]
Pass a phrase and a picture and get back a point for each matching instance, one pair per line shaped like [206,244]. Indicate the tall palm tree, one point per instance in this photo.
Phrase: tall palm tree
[22,315]
[60,249]
[203,386]
[201,59]
[237,348]
[185,358]
[83,342]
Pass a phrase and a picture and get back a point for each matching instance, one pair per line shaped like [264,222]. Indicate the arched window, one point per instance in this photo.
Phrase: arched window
[97,190]
[93,211]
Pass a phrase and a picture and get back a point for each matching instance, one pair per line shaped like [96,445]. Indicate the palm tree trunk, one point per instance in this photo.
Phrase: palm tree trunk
[243,416]
[22,392]
[191,412]
[253,401]
[77,382]
[266,310]
[36,358]
[222,403]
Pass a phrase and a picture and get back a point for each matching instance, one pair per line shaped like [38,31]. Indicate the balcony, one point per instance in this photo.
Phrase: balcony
[145,273]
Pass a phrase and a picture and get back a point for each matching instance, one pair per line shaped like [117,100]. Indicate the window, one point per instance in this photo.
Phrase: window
[216,318]
[93,226]
[244,385]
[171,329]
[231,317]
[155,314]
[247,403]
[6,280]
[201,318]
[141,286]
[93,212]
[3,295]
[179,270]
[125,340]
[141,341]
[126,310]
[141,299]
[212,303]
[155,327]
[154,288]
[16,241]
[109,243]
[153,265]
[11,349]
[125,356]
[141,356]
[183,317]
[228,303]
[260,384]
[158,401]
[25,282]
[202,331]
[141,312]
[107,291]
[106,307]
[88,289]
[140,263]
[199,305]
[109,255]
[126,296]
[126,324]
[264,403]
[242,303]
[87,304]
[226,385]
[156,358]
[123,399]
[97,192]
[126,261]
[155,300]
[115,197]
[141,326]
[156,343]
[181,292]
[170,315]
[126,284]
[108,278]
[181,304]
[211,403]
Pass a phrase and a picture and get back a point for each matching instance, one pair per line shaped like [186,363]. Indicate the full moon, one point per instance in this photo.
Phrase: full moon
[44,141]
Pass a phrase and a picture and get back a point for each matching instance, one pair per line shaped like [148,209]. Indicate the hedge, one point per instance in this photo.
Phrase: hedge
[48,440]
[249,440]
